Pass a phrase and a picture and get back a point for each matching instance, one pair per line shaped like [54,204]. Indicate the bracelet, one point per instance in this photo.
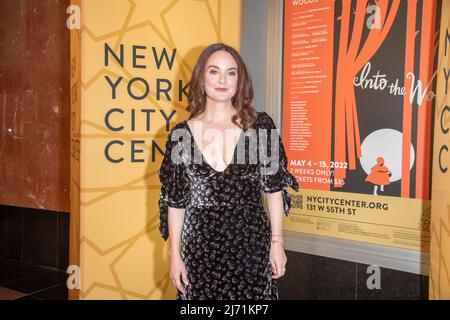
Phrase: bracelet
[280,242]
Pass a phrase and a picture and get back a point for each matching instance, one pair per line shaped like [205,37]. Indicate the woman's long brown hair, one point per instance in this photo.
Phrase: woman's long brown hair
[242,100]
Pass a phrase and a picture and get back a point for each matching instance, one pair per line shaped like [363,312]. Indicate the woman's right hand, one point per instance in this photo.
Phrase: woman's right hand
[178,272]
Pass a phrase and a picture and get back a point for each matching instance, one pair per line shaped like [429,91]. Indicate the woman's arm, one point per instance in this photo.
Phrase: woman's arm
[178,273]
[278,257]
[175,222]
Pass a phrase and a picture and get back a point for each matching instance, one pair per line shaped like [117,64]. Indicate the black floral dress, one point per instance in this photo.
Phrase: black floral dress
[226,233]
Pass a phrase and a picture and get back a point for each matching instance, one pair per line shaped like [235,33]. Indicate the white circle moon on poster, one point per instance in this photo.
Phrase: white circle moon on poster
[386,143]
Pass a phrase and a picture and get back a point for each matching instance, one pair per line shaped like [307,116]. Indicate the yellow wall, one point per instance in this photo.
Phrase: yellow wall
[440,215]
[121,254]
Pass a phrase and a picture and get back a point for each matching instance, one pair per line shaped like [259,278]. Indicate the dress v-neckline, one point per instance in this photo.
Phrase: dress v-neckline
[204,158]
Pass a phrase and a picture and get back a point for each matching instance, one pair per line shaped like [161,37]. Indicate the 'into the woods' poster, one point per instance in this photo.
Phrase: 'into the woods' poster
[358,98]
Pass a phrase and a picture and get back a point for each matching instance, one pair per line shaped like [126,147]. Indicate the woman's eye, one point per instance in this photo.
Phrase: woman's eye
[232,73]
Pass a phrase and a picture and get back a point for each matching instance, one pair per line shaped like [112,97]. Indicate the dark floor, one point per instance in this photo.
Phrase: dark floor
[311,277]
[25,281]
[34,247]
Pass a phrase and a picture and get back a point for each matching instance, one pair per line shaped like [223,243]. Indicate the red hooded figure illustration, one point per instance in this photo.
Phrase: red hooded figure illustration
[379,175]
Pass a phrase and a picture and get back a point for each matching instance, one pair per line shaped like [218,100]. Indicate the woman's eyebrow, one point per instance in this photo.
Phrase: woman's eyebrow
[219,68]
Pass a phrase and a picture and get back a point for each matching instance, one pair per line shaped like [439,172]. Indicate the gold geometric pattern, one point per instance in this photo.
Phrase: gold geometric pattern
[440,265]
[440,216]
[121,253]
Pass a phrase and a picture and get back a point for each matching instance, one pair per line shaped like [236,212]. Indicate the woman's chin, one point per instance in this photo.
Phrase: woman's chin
[220,99]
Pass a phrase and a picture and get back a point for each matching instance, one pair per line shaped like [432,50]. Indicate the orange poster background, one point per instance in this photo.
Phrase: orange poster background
[308,86]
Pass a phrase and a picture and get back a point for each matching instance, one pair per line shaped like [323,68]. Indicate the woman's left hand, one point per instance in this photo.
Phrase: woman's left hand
[278,260]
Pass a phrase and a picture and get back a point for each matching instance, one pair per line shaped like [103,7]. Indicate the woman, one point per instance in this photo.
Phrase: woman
[211,199]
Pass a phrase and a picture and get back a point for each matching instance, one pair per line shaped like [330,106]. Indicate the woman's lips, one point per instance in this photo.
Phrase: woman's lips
[221,89]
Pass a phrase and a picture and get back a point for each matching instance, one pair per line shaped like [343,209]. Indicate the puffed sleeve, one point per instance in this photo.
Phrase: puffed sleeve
[275,177]
[174,185]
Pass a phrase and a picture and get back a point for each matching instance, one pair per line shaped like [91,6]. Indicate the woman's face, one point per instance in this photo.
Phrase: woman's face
[221,76]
